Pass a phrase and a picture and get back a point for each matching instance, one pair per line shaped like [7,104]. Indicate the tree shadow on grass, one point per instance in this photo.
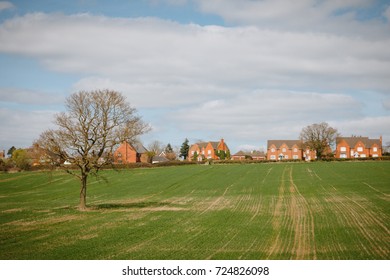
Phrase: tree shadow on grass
[134,205]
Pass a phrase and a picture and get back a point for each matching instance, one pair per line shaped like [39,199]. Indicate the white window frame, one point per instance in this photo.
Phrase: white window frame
[360,149]
[343,149]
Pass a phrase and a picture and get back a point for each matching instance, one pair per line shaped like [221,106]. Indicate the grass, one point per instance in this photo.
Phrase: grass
[255,211]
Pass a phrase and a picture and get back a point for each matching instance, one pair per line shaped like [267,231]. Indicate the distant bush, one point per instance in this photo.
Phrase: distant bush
[6,165]
[176,163]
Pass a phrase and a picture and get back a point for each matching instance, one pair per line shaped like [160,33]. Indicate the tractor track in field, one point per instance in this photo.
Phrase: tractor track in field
[277,218]
[293,216]
[387,196]
[222,249]
[304,242]
[355,215]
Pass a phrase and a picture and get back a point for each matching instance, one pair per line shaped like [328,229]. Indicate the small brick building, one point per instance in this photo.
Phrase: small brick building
[130,153]
[252,155]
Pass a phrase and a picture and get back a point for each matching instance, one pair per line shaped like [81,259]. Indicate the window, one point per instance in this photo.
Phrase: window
[286,156]
[209,152]
[363,155]
[273,150]
[295,156]
[295,150]
[273,157]
[375,149]
[284,150]
[360,149]
[192,152]
[343,149]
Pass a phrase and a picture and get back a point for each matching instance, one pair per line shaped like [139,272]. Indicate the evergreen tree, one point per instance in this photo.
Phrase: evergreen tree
[168,149]
[10,151]
[184,149]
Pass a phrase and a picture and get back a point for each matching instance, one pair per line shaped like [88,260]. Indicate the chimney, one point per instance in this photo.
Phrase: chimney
[380,139]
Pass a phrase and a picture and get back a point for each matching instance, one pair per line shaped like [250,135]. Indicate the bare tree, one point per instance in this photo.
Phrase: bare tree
[319,137]
[156,147]
[94,124]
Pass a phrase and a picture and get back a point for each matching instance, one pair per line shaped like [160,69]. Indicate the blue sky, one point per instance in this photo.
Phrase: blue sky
[247,71]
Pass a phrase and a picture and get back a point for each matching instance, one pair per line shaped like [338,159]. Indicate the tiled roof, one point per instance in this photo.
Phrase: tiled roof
[279,143]
[252,154]
[352,141]
[214,144]
[239,153]
[139,148]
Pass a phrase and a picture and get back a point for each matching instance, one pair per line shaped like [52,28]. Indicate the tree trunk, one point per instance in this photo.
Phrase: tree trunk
[83,193]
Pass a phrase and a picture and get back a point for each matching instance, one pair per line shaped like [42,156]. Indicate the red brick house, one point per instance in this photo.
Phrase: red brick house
[288,149]
[208,150]
[253,155]
[358,147]
[130,153]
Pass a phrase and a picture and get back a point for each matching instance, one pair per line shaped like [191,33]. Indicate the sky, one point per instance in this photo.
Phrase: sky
[247,71]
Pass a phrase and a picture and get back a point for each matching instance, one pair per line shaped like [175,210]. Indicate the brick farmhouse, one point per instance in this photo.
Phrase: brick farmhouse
[288,149]
[130,153]
[208,150]
[358,147]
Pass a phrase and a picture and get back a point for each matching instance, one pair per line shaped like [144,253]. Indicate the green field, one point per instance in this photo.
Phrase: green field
[337,210]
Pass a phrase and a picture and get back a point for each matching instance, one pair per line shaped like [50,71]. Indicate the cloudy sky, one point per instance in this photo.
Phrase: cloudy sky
[247,70]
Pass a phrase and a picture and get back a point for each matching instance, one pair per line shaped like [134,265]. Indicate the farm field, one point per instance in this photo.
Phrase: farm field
[337,210]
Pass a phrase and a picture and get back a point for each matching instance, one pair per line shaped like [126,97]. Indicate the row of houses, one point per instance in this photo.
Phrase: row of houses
[346,147]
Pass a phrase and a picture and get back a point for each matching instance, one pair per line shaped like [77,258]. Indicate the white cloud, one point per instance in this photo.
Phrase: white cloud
[149,94]
[6,5]
[21,127]
[31,97]
[373,127]
[332,16]
[152,51]
[386,104]
[266,114]
[386,13]
[242,83]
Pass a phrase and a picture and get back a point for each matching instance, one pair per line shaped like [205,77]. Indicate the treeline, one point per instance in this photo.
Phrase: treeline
[11,168]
